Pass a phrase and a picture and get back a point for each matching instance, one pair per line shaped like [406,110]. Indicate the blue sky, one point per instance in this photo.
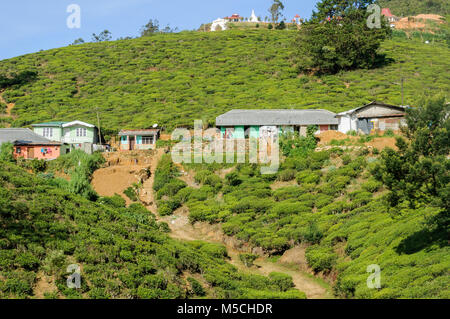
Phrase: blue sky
[28,26]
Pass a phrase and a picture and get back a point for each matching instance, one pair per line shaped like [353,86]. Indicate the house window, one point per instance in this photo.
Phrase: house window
[18,150]
[147,139]
[48,132]
[334,127]
[81,131]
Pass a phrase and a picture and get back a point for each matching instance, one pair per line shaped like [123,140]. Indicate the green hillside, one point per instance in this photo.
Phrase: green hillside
[172,79]
[414,7]
[122,251]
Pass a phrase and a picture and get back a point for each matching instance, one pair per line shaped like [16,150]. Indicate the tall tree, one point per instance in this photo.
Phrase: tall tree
[418,173]
[105,35]
[337,37]
[275,10]
[150,28]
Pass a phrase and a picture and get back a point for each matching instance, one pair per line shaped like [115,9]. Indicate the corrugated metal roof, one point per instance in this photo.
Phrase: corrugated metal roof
[145,132]
[374,103]
[276,117]
[50,124]
[23,136]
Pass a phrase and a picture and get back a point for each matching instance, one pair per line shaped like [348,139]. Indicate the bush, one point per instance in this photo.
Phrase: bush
[371,186]
[131,194]
[196,287]
[248,259]
[286,175]
[308,177]
[282,281]
[320,258]
[6,152]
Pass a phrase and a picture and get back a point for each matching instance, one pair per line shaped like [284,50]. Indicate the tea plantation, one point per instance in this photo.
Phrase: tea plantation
[172,79]
[334,205]
[122,251]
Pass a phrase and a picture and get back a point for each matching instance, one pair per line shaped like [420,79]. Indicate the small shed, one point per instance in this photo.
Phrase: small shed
[373,116]
[144,139]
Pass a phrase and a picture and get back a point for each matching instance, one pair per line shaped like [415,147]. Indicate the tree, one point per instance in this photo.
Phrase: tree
[418,173]
[150,28]
[105,35]
[281,26]
[6,152]
[337,38]
[78,41]
[275,10]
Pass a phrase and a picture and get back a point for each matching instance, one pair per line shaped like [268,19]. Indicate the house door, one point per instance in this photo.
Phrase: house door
[365,125]
[132,142]
[30,152]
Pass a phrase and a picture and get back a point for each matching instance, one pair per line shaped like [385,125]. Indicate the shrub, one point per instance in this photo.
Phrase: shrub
[233,179]
[286,175]
[6,152]
[248,259]
[308,177]
[196,287]
[171,188]
[346,159]
[131,194]
[389,133]
[282,281]
[371,186]
[320,258]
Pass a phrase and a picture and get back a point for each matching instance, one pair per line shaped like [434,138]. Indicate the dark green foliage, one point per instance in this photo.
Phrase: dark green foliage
[130,192]
[17,79]
[418,172]
[6,153]
[320,258]
[197,288]
[248,259]
[282,281]
[295,145]
[342,43]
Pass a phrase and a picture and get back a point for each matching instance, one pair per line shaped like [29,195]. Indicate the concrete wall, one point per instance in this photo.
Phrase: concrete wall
[138,145]
[35,151]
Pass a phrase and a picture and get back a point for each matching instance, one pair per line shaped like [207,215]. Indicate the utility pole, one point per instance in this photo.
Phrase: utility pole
[98,126]
[403,95]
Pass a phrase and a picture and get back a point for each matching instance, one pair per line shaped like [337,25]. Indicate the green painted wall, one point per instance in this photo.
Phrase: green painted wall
[57,132]
[239,132]
[70,135]
[254,132]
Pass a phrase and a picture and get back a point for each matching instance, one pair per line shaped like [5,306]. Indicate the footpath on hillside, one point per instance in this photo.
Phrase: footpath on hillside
[9,107]
[182,229]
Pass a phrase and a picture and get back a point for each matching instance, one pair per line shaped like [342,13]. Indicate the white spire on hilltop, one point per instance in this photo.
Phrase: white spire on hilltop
[253,18]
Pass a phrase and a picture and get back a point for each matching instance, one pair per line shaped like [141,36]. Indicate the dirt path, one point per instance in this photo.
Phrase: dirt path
[147,195]
[183,230]
[9,107]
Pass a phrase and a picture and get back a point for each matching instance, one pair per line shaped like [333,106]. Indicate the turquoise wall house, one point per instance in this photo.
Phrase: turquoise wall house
[138,139]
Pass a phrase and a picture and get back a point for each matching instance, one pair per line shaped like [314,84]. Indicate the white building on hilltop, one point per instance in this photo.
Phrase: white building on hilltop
[253,17]
[219,25]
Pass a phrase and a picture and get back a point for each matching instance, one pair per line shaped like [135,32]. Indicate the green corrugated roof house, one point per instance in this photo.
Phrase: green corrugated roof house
[75,133]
